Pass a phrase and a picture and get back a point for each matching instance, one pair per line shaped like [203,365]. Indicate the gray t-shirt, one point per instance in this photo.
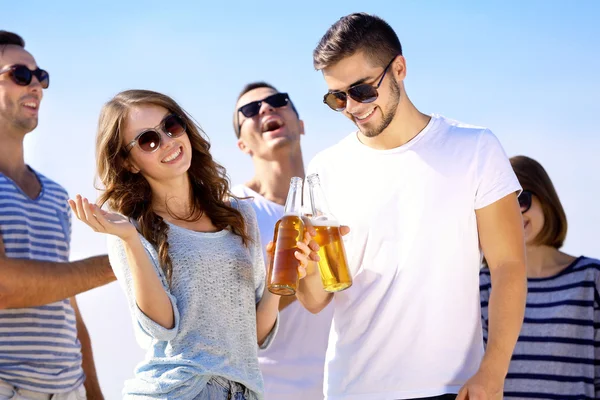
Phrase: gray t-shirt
[216,284]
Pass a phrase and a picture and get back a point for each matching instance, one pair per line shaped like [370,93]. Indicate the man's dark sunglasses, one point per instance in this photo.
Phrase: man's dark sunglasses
[22,75]
[525,200]
[363,93]
[276,100]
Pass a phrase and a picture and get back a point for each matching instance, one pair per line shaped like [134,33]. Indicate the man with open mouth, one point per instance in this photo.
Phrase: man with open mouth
[269,130]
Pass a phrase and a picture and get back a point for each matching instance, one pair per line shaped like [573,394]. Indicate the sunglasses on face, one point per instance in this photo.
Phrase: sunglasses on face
[525,200]
[276,100]
[363,93]
[150,139]
[22,75]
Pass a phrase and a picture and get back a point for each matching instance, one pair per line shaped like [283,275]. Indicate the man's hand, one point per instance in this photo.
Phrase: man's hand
[482,386]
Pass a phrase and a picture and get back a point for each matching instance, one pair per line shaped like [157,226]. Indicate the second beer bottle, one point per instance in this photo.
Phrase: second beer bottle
[333,264]
[282,278]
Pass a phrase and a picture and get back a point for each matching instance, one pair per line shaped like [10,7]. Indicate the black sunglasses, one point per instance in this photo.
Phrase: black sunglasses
[22,75]
[363,93]
[149,140]
[276,100]
[525,200]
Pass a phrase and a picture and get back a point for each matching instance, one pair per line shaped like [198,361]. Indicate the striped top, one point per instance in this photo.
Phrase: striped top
[39,349]
[557,355]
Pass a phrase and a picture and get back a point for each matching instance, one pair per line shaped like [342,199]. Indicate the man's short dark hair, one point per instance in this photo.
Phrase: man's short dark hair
[249,87]
[10,38]
[354,33]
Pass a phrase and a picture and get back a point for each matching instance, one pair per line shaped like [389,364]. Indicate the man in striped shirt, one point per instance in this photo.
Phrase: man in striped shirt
[45,350]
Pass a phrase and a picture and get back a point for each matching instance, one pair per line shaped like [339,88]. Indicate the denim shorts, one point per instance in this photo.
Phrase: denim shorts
[219,388]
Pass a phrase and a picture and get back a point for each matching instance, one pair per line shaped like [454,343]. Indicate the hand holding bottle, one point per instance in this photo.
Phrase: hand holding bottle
[333,263]
[307,251]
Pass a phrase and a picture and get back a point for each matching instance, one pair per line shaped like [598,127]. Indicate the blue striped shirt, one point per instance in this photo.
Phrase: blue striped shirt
[39,349]
[557,355]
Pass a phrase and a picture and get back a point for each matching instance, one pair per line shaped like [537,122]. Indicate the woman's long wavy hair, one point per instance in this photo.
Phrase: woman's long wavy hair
[130,194]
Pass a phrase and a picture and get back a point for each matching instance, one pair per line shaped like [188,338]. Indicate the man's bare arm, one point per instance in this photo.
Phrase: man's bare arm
[500,228]
[92,386]
[30,283]
[502,240]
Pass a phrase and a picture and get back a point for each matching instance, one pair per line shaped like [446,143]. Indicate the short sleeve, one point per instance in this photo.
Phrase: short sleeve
[485,286]
[118,261]
[495,176]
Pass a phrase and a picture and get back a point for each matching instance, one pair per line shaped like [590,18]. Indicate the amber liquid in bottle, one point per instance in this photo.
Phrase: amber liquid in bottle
[282,275]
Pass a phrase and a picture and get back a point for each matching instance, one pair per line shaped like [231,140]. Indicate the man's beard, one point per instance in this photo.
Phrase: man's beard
[387,115]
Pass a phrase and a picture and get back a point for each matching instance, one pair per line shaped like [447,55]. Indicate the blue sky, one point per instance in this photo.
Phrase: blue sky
[527,70]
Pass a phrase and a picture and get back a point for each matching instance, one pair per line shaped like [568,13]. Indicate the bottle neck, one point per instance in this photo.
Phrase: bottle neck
[319,206]
[293,204]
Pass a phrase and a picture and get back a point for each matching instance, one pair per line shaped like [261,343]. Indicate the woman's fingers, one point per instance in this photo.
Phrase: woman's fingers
[303,263]
[301,272]
[304,249]
[99,216]
[82,209]
[270,247]
[76,207]
[89,216]
[308,252]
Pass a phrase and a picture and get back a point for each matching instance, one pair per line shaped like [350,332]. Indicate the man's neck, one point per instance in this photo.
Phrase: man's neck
[546,261]
[407,123]
[272,177]
[12,159]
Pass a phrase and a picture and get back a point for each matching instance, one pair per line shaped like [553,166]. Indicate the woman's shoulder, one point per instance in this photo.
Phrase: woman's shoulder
[583,262]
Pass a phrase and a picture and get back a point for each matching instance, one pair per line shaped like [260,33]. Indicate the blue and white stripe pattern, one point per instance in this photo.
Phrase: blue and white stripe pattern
[557,355]
[39,349]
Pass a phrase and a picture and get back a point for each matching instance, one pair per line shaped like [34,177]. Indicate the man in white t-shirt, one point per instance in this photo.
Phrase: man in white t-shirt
[269,129]
[420,194]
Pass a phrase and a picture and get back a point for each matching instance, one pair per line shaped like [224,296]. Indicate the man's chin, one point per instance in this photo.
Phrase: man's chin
[283,143]
[370,133]
[27,125]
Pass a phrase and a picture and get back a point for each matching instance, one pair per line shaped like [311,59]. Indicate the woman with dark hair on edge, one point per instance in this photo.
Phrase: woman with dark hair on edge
[186,253]
[557,355]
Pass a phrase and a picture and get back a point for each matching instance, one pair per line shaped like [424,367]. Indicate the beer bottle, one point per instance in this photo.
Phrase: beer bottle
[333,264]
[282,278]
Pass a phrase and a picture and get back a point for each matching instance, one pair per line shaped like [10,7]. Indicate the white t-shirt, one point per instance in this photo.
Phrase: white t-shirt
[410,325]
[293,365]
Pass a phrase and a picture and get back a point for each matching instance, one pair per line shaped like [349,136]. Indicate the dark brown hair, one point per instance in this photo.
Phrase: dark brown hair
[10,38]
[533,177]
[354,33]
[249,87]
[130,194]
